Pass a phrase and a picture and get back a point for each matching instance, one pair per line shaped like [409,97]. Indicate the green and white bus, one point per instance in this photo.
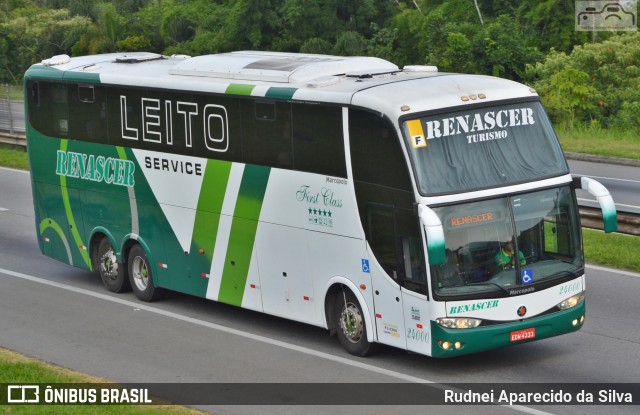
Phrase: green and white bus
[383,204]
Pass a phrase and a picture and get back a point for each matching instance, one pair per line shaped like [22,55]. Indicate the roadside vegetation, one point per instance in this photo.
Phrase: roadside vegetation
[18,369]
[13,158]
[588,81]
[600,142]
[613,249]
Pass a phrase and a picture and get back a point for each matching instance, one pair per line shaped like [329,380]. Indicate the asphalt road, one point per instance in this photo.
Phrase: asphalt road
[63,315]
[623,182]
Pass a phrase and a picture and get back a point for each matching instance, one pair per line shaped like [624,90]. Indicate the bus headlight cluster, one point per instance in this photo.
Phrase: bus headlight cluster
[446,345]
[459,323]
[577,321]
[571,301]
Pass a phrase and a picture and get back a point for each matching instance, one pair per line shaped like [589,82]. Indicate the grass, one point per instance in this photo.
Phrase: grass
[18,369]
[15,92]
[599,142]
[615,249]
[14,158]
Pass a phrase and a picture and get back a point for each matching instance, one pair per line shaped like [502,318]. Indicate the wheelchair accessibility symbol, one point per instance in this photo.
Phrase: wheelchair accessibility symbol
[365,265]
[527,276]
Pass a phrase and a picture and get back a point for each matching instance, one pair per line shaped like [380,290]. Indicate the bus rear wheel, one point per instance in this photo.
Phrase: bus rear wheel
[112,273]
[141,277]
[350,324]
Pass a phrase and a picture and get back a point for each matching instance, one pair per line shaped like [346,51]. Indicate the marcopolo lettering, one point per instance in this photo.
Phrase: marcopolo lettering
[465,308]
[480,124]
[95,168]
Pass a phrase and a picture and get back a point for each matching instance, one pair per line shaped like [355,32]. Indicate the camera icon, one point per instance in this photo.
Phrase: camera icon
[23,394]
[606,15]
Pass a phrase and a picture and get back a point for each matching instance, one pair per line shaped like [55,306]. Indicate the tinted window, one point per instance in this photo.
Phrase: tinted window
[88,105]
[266,133]
[318,143]
[376,155]
[48,108]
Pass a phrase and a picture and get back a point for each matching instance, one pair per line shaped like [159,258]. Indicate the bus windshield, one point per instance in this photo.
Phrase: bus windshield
[509,244]
[483,147]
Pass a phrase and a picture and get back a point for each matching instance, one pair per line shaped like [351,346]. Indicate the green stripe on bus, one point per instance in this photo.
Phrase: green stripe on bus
[43,72]
[50,223]
[240,89]
[82,77]
[67,207]
[205,228]
[47,72]
[280,92]
[243,234]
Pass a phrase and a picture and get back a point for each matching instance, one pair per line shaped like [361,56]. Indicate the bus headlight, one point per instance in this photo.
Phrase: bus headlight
[459,323]
[571,301]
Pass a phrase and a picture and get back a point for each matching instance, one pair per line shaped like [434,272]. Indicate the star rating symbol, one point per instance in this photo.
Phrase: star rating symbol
[320,212]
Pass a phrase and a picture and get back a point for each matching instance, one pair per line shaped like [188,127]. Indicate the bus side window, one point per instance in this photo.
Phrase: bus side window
[266,133]
[318,142]
[556,241]
[385,200]
[48,109]
[381,236]
[88,105]
[391,233]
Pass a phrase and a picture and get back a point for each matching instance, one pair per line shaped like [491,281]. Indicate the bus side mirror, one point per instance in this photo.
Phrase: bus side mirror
[435,235]
[602,195]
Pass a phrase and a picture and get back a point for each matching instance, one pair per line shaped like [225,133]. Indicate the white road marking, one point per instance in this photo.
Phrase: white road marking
[262,339]
[609,178]
[617,204]
[615,271]
[15,170]
[3,209]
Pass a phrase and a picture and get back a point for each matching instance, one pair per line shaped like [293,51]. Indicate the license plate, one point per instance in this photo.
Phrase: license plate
[526,334]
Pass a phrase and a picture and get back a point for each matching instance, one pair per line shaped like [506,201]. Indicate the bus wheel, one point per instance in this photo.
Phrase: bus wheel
[141,277]
[112,273]
[350,326]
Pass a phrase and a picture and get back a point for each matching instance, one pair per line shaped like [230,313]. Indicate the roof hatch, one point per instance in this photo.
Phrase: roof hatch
[277,66]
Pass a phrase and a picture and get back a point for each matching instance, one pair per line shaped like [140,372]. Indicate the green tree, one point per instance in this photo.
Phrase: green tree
[501,49]
[458,55]
[316,45]
[110,25]
[350,44]
[611,82]
[552,24]
[569,93]
[32,34]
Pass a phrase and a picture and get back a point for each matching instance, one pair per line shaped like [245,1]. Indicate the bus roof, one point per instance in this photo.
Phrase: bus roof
[362,81]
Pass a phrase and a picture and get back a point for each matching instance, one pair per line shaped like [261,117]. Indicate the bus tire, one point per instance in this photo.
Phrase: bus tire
[141,276]
[113,274]
[350,324]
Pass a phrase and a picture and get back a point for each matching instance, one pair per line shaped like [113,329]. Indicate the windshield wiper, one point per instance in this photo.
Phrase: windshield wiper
[575,274]
[503,289]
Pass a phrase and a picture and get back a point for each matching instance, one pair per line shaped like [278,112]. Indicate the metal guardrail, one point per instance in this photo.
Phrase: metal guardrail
[628,223]
[12,119]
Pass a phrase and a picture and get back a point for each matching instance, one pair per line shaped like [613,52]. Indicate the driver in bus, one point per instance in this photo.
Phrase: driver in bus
[505,258]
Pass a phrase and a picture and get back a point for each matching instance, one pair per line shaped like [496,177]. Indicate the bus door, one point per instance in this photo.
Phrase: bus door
[387,270]
[414,296]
